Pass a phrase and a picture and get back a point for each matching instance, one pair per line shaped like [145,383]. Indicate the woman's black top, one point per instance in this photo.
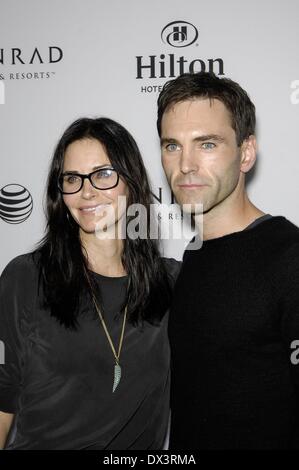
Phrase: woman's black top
[58,382]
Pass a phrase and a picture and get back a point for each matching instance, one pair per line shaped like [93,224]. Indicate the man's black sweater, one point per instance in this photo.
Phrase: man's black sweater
[235,314]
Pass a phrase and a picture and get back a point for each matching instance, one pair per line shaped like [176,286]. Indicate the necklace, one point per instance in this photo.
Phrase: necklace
[117,367]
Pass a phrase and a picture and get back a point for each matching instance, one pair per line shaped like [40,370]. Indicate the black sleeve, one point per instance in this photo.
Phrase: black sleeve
[14,293]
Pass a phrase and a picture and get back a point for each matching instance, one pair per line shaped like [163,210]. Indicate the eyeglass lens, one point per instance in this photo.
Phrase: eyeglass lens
[104,178]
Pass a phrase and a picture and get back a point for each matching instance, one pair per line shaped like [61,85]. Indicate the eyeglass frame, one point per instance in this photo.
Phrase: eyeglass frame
[87,176]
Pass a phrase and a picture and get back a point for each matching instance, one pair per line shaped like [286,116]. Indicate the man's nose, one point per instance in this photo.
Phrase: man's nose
[188,161]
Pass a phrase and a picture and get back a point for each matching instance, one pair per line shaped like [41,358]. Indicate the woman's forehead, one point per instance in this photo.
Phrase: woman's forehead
[84,155]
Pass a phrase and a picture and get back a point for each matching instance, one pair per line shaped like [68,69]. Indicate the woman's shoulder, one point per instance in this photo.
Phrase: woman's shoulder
[18,293]
[21,268]
[172,267]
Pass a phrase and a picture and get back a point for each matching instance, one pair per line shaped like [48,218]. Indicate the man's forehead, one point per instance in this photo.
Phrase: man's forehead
[209,112]
[196,117]
[196,106]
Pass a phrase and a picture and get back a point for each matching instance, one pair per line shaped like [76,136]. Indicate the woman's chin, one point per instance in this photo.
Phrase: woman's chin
[102,232]
[88,229]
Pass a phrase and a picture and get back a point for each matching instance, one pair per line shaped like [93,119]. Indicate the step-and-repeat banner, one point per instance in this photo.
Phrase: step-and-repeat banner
[61,60]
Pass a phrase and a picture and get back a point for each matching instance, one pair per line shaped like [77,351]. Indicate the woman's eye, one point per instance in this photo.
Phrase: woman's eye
[71,179]
[171,147]
[208,145]
[105,173]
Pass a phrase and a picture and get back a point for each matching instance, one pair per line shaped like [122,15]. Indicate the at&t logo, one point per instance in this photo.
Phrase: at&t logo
[16,204]
[179,34]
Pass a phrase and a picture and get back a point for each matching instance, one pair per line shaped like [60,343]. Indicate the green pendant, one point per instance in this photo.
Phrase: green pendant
[117,376]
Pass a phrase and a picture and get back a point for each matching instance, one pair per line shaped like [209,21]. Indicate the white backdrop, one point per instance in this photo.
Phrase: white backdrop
[79,58]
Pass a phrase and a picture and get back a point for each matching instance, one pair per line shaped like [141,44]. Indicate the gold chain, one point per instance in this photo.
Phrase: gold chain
[117,356]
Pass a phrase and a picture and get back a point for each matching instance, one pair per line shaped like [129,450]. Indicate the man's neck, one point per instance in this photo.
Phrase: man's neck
[228,218]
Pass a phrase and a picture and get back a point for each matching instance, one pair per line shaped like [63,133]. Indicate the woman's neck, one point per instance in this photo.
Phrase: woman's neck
[104,255]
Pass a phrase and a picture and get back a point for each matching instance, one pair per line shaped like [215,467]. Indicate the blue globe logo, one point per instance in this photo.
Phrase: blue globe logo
[16,204]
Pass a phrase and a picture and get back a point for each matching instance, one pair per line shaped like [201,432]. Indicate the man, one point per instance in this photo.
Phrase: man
[235,313]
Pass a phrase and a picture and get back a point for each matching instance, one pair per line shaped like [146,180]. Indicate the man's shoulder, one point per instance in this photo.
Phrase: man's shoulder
[281,242]
[287,224]
[285,232]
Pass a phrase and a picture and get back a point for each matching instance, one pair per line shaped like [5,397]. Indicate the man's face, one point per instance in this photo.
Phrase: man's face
[200,155]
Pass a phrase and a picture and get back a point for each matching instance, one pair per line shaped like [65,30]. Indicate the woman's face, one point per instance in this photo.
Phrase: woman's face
[93,209]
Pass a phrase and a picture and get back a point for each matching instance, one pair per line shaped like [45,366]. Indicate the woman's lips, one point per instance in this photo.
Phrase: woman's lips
[93,209]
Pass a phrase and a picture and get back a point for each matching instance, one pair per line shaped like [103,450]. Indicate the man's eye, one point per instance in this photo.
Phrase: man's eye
[208,145]
[171,147]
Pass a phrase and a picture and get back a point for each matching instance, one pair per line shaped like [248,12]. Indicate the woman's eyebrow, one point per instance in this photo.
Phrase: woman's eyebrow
[75,172]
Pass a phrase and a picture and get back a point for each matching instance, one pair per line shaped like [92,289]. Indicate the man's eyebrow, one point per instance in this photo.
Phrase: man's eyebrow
[168,140]
[204,138]
[200,138]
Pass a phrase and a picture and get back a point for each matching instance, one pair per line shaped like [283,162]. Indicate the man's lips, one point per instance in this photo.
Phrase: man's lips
[191,185]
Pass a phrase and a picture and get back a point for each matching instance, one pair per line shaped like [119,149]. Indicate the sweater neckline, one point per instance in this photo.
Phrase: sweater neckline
[108,278]
[244,233]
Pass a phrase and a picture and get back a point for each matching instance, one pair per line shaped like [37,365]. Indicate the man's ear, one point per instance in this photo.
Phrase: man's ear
[248,154]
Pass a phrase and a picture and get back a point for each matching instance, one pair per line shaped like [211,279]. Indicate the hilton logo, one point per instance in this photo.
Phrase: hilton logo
[16,204]
[176,34]
[179,34]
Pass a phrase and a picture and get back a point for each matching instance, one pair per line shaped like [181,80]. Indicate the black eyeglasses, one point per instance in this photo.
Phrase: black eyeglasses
[104,178]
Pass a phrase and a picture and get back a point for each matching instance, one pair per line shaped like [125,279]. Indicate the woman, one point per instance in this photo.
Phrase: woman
[84,317]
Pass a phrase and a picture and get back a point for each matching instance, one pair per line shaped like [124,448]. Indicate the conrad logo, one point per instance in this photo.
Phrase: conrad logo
[17,56]
[16,204]
[179,34]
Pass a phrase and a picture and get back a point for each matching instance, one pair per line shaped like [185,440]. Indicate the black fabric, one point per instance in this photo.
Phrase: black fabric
[235,315]
[257,221]
[59,382]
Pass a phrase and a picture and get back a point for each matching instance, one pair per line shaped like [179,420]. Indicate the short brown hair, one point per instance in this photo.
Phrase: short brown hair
[189,86]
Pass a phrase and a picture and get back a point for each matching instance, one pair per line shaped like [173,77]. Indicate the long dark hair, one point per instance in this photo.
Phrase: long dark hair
[60,257]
